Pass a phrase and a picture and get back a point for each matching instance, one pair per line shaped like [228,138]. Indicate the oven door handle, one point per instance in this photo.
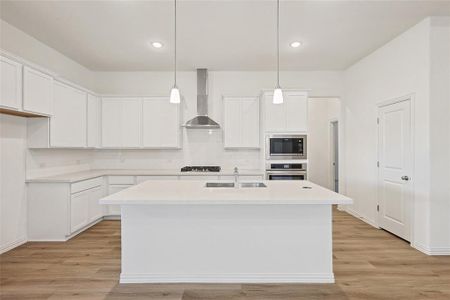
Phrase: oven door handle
[271,172]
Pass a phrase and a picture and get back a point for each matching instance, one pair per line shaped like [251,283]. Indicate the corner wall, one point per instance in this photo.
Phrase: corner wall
[411,64]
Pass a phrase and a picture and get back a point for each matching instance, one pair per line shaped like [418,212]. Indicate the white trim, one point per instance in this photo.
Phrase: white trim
[111,217]
[432,250]
[358,216]
[13,245]
[228,278]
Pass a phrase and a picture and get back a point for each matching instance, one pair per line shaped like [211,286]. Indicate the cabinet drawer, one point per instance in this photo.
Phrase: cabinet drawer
[85,185]
[140,179]
[121,179]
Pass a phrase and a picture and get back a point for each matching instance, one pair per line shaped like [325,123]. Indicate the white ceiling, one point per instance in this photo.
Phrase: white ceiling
[219,35]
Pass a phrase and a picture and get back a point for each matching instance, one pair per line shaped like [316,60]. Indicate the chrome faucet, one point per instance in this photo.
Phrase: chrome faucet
[236,177]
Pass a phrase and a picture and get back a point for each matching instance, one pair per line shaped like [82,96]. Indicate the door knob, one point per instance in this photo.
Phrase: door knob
[405,178]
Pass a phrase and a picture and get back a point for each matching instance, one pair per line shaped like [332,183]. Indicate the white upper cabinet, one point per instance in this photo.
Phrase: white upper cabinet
[11,84]
[160,123]
[37,91]
[68,122]
[241,122]
[290,116]
[121,122]
[93,121]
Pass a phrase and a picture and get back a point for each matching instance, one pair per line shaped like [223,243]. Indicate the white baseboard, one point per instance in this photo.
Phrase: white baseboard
[111,217]
[228,278]
[358,216]
[13,245]
[431,250]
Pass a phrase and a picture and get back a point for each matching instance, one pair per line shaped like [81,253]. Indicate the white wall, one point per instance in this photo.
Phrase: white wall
[321,111]
[200,147]
[18,43]
[13,209]
[440,142]
[23,45]
[399,68]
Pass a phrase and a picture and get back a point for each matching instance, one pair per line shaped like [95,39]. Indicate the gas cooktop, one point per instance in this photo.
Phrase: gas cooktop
[200,169]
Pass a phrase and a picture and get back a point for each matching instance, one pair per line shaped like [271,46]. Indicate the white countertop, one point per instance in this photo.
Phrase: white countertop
[83,175]
[179,192]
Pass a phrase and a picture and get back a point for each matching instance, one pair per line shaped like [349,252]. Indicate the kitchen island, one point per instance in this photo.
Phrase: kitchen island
[183,231]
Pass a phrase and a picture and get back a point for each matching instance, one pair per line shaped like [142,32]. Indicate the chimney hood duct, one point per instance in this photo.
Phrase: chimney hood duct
[202,121]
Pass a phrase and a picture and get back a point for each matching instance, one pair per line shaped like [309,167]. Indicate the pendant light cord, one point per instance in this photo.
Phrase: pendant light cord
[278,43]
[175,44]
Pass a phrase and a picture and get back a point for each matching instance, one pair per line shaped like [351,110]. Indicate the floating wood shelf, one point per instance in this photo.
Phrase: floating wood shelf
[20,113]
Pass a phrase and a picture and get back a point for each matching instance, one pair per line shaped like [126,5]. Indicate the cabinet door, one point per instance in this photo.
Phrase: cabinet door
[232,122]
[11,84]
[296,112]
[111,122]
[250,123]
[68,122]
[131,123]
[274,115]
[160,123]
[121,122]
[79,203]
[93,121]
[95,210]
[37,91]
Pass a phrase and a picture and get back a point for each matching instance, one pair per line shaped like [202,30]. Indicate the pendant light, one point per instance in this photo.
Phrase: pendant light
[278,93]
[175,92]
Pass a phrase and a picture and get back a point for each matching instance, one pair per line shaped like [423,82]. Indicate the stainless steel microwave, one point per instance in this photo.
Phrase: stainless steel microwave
[285,146]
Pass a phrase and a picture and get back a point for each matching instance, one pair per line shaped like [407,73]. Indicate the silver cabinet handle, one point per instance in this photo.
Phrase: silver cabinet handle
[405,178]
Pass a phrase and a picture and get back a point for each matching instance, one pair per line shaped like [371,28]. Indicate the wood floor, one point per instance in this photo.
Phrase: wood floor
[368,264]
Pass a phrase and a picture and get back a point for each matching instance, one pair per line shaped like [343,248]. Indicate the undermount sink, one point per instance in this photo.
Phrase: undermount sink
[219,184]
[231,185]
[252,185]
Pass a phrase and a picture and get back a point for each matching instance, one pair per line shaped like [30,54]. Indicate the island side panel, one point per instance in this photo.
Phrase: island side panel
[226,243]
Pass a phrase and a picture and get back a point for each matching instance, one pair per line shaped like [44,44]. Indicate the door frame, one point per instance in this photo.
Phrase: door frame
[330,138]
[411,190]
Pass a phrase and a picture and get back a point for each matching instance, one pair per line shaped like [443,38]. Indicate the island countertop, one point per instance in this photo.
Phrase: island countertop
[178,192]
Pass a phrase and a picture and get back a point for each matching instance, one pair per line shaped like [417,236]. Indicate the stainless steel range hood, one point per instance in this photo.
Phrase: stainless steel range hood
[202,121]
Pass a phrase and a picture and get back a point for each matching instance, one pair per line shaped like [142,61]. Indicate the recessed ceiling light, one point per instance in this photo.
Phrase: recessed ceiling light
[157,45]
[296,44]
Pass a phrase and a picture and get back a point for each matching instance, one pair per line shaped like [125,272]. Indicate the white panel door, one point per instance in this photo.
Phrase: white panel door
[11,84]
[160,123]
[296,112]
[37,91]
[79,210]
[275,115]
[395,166]
[93,121]
[250,123]
[68,122]
[232,122]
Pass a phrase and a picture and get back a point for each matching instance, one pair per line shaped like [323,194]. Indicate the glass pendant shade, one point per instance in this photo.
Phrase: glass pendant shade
[175,95]
[277,96]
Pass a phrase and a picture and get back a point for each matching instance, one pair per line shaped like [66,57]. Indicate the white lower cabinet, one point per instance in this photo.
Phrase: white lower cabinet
[57,211]
[114,210]
[79,210]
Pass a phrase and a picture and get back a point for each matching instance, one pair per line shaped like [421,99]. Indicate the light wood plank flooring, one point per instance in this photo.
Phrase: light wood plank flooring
[368,264]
